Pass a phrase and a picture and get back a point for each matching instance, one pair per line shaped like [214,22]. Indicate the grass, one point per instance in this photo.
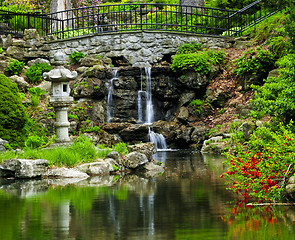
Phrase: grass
[81,151]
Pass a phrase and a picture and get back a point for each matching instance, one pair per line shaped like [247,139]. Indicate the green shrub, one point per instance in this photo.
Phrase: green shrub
[228,4]
[15,67]
[35,72]
[76,56]
[190,47]
[290,26]
[260,167]
[200,61]
[120,148]
[195,61]
[35,94]
[271,27]
[255,61]
[276,96]
[280,46]
[196,102]
[13,115]
[34,141]
[93,129]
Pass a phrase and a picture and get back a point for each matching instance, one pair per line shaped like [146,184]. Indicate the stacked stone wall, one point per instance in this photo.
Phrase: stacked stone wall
[136,48]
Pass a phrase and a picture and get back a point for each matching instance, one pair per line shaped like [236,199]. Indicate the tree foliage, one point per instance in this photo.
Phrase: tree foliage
[276,96]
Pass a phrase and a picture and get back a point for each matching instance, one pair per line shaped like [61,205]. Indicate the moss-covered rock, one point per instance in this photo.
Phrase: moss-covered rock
[13,115]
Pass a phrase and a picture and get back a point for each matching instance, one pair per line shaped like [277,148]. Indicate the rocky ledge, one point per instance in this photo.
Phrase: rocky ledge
[139,160]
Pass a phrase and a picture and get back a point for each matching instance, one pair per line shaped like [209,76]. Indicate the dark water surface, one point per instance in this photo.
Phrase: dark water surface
[188,201]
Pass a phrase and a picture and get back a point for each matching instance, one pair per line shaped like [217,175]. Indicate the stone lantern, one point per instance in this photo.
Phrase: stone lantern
[60,97]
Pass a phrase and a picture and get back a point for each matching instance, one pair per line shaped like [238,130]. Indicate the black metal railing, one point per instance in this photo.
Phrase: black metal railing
[139,16]
[16,23]
[248,17]
[136,16]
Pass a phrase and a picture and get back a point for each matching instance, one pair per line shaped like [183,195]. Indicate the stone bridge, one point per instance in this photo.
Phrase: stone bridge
[136,48]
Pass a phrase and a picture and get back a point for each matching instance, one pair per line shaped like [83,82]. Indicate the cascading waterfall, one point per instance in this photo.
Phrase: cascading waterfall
[156,138]
[110,101]
[149,103]
[140,95]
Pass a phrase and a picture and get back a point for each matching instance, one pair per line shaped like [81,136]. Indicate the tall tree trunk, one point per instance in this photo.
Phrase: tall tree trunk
[195,3]
[59,7]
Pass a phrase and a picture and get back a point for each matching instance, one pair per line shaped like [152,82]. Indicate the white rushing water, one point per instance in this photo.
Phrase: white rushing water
[110,101]
[146,110]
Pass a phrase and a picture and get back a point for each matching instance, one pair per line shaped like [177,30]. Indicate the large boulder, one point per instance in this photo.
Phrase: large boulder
[23,168]
[16,52]
[99,167]
[2,144]
[90,61]
[134,160]
[167,129]
[87,87]
[134,133]
[147,149]
[248,128]
[193,80]
[151,169]
[214,145]
[23,85]
[66,173]
[217,97]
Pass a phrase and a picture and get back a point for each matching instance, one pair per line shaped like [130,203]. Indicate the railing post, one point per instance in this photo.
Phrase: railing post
[140,17]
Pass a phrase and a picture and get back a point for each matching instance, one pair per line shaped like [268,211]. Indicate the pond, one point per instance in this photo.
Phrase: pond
[188,201]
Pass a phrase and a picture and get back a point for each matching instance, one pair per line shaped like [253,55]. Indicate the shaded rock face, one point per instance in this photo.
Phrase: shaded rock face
[171,96]
[169,91]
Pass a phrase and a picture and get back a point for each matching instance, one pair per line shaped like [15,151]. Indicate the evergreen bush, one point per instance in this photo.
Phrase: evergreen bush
[13,115]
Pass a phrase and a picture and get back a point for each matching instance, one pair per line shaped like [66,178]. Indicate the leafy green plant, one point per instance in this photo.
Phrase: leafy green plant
[35,141]
[290,26]
[120,148]
[1,50]
[71,116]
[35,94]
[51,115]
[35,72]
[196,102]
[93,129]
[190,47]
[276,96]
[76,56]
[280,46]
[115,167]
[15,67]
[271,27]
[254,61]
[200,61]
[68,32]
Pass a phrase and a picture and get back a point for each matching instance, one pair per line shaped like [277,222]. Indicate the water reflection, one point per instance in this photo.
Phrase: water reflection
[188,201]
